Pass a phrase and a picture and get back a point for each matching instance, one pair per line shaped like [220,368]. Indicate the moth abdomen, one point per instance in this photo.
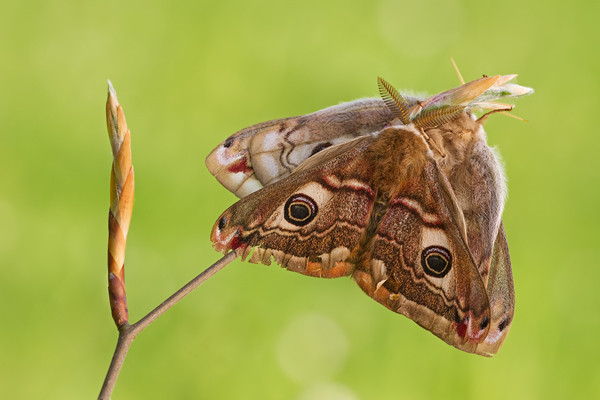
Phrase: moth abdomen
[365,246]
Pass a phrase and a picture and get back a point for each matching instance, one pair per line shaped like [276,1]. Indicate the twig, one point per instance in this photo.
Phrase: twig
[121,207]
[128,332]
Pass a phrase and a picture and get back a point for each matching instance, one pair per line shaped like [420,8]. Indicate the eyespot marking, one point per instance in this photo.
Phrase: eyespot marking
[319,147]
[485,322]
[222,223]
[300,210]
[505,322]
[436,261]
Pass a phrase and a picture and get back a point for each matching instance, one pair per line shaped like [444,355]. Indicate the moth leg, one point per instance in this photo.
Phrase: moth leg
[485,116]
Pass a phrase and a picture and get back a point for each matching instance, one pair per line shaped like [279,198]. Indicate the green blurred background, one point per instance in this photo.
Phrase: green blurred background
[188,75]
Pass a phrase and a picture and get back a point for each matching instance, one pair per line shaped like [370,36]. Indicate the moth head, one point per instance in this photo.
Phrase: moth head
[446,120]
[450,141]
[445,107]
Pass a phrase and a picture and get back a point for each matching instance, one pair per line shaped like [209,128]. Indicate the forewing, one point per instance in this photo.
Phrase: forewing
[407,274]
[310,222]
[268,152]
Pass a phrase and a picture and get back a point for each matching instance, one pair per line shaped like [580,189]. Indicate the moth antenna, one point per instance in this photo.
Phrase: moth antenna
[393,100]
[432,117]
[432,142]
[462,81]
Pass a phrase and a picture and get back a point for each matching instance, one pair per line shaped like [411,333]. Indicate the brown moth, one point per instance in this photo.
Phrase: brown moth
[403,194]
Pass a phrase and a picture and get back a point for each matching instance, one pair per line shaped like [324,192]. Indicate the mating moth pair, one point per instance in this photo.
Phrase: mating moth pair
[402,194]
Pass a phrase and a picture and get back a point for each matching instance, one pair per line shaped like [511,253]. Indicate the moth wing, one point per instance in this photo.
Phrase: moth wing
[480,185]
[268,152]
[329,154]
[230,161]
[501,292]
[310,222]
[406,271]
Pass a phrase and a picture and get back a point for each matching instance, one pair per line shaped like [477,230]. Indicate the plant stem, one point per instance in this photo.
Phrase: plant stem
[125,339]
[127,333]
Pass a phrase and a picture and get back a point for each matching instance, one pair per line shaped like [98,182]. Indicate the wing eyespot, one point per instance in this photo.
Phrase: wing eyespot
[485,322]
[505,322]
[228,143]
[436,261]
[319,147]
[300,210]
[222,223]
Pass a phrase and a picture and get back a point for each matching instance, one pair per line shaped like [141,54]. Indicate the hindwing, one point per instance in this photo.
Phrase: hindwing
[270,151]
[479,185]
[421,267]
[310,222]
[501,293]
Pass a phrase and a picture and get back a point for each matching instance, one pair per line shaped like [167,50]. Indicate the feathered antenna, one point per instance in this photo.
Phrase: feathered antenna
[446,106]
[435,116]
[399,107]
[394,100]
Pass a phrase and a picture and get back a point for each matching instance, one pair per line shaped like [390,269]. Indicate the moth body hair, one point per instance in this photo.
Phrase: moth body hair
[413,97]
[397,154]
[364,248]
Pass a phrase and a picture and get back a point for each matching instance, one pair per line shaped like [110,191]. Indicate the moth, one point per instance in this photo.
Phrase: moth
[402,194]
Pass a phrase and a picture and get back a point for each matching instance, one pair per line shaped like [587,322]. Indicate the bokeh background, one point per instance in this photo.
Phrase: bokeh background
[188,75]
